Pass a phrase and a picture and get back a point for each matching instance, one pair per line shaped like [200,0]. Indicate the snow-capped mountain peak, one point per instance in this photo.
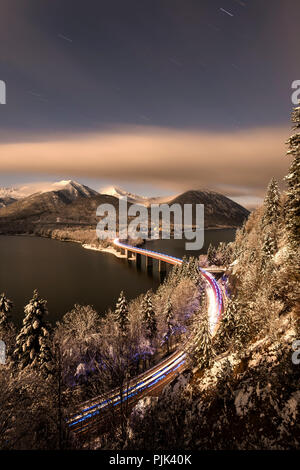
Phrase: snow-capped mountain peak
[69,189]
[74,188]
[121,193]
[135,198]
[11,192]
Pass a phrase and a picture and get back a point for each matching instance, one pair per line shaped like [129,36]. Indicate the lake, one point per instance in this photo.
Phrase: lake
[177,247]
[65,273]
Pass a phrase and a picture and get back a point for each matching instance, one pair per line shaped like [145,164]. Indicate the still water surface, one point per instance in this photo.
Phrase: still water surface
[66,273]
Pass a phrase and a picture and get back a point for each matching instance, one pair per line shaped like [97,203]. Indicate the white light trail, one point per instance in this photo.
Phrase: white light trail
[227,12]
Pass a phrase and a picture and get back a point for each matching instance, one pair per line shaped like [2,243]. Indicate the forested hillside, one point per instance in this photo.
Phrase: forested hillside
[242,392]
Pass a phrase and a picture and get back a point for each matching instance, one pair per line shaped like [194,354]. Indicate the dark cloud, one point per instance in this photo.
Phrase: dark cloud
[234,161]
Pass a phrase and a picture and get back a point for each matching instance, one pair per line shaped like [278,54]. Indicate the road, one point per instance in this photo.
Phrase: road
[158,376]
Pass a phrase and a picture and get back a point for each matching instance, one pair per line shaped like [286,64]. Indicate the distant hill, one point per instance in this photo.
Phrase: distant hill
[68,190]
[68,212]
[219,210]
[63,193]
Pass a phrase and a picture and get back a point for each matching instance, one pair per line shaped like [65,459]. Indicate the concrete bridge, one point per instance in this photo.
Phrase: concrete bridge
[135,253]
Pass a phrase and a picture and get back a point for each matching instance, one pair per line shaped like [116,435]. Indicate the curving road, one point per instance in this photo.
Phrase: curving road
[158,376]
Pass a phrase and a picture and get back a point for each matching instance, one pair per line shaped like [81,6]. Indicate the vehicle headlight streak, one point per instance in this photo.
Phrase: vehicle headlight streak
[152,377]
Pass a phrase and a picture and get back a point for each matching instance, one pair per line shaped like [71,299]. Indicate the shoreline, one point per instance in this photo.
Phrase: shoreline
[89,246]
[111,250]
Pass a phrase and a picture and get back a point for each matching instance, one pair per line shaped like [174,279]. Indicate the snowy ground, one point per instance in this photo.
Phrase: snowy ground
[109,249]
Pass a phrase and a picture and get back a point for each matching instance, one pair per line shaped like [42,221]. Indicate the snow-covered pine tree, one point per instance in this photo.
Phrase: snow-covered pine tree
[271,204]
[221,255]
[121,313]
[224,376]
[7,329]
[292,205]
[243,328]
[189,267]
[235,328]
[202,298]
[211,255]
[228,324]
[172,278]
[194,269]
[269,246]
[149,316]
[184,268]
[270,223]
[5,309]
[202,351]
[177,273]
[168,315]
[32,343]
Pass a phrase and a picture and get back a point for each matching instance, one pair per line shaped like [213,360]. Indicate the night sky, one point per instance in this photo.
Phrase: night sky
[136,88]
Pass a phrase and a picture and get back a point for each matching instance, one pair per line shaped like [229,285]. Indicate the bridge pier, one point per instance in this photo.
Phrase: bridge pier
[149,263]
[138,260]
[161,266]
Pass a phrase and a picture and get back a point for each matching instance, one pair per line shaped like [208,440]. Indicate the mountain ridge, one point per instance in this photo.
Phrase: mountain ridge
[69,188]
[69,213]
